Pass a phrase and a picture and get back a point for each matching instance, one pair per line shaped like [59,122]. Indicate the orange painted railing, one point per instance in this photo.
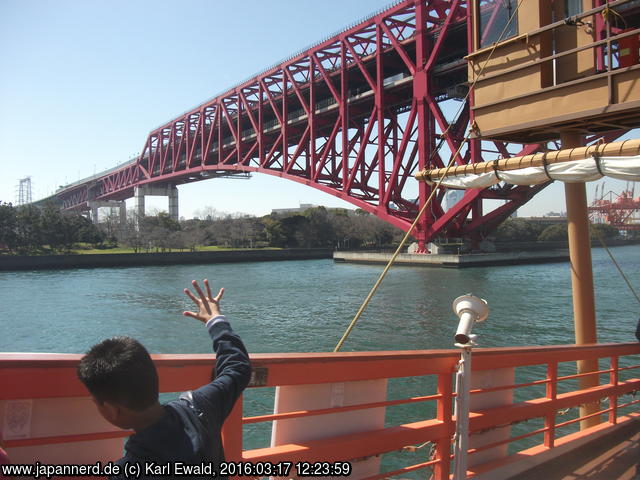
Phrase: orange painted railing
[36,376]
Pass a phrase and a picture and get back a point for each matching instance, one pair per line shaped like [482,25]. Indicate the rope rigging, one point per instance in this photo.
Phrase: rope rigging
[624,277]
[433,191]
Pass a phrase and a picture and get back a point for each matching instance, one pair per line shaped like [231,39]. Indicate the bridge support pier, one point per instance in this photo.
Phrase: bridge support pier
[114,205]
[170,191]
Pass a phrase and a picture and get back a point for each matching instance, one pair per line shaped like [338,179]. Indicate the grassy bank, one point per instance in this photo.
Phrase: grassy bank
[87,260]
[208,248]
[83,249]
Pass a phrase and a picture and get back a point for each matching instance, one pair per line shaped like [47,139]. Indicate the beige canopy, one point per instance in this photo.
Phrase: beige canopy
[620,160]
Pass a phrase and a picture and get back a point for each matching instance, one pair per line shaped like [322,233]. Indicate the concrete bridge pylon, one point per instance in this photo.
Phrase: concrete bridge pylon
[114,205]
[170,191]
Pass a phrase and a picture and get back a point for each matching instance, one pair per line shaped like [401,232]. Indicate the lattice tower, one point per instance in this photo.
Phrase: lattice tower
[24,191]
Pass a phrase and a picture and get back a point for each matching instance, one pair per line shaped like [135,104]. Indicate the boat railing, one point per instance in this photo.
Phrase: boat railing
[540,411]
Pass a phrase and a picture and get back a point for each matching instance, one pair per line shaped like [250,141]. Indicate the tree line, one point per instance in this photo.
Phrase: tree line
[316,227]
[523,230]
[32,230]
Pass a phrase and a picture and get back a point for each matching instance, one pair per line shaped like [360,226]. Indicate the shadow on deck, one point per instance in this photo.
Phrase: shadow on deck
[616,457]
[611,454]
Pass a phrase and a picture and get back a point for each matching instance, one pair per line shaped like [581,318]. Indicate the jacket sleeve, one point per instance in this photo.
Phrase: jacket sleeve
[638,330]
[233,372]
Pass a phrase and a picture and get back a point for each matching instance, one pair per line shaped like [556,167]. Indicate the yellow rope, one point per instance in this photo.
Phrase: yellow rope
[607,11]
[625,278]
[429,199]
[473,84]
[393,258]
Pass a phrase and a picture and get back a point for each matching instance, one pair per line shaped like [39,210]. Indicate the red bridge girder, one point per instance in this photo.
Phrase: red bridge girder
[354,116]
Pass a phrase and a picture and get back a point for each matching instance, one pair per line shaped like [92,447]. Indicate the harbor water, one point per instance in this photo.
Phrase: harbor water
[305,306]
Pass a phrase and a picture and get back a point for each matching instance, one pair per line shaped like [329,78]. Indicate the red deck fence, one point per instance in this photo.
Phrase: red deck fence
[37,376]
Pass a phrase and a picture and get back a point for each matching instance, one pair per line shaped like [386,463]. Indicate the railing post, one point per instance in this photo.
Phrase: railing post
[443,446]
[232,434]
[613,399]
[552,394]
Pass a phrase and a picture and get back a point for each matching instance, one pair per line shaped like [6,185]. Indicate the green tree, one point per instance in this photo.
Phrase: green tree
[163,221]
[554,233]
[154,231]
[518,230]
[29,233]
[605,230]
[384,232]
[194,233]
[55,228]
[8,226]
[318,231]
[86,231]
[274,231]
[293,229]
[130,235]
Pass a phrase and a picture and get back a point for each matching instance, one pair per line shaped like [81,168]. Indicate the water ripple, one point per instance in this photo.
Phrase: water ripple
[307,305]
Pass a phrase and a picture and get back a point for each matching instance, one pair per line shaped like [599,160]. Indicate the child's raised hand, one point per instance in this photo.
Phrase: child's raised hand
[208,305]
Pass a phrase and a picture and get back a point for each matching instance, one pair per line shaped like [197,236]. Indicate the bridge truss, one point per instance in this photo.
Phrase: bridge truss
[355,116]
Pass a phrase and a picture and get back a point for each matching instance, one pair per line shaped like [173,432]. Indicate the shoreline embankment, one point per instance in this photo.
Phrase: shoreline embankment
[50,262]
[507,254]
[515,253]
[453,260]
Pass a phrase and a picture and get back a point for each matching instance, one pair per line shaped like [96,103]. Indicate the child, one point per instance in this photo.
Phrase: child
[122,379]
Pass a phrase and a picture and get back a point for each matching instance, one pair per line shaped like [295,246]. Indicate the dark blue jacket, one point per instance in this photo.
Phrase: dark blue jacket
[189,432]
[638,330]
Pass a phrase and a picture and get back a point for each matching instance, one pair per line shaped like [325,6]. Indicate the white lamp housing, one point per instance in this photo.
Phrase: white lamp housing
[469,309]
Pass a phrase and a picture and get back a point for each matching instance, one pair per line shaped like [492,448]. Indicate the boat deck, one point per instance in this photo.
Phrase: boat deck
[620,461]
[614,454]
[607,461]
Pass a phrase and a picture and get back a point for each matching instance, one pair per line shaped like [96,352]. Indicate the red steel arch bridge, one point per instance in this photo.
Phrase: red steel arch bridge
[355,115]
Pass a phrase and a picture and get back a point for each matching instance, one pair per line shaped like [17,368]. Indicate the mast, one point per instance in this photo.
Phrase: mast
[584,318]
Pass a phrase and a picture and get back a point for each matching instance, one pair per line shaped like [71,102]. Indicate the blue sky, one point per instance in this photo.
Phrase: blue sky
[83,83]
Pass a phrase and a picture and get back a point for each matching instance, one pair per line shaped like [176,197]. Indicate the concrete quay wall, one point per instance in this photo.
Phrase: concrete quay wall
[44,262]
[453,260]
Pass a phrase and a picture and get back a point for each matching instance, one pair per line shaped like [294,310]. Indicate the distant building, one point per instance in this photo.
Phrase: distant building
[300,209]
[306,206]
[452,197]
[555,214]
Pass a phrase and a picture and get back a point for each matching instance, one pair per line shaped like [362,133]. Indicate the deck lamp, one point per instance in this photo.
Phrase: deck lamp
[469,310]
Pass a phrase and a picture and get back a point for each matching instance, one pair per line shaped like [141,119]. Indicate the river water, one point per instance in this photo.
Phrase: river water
[305,306]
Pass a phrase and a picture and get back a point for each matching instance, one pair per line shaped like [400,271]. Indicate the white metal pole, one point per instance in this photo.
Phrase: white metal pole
[469,310]
[463,385]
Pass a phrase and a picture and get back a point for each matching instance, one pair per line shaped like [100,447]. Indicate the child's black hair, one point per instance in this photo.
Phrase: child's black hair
[120,370]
